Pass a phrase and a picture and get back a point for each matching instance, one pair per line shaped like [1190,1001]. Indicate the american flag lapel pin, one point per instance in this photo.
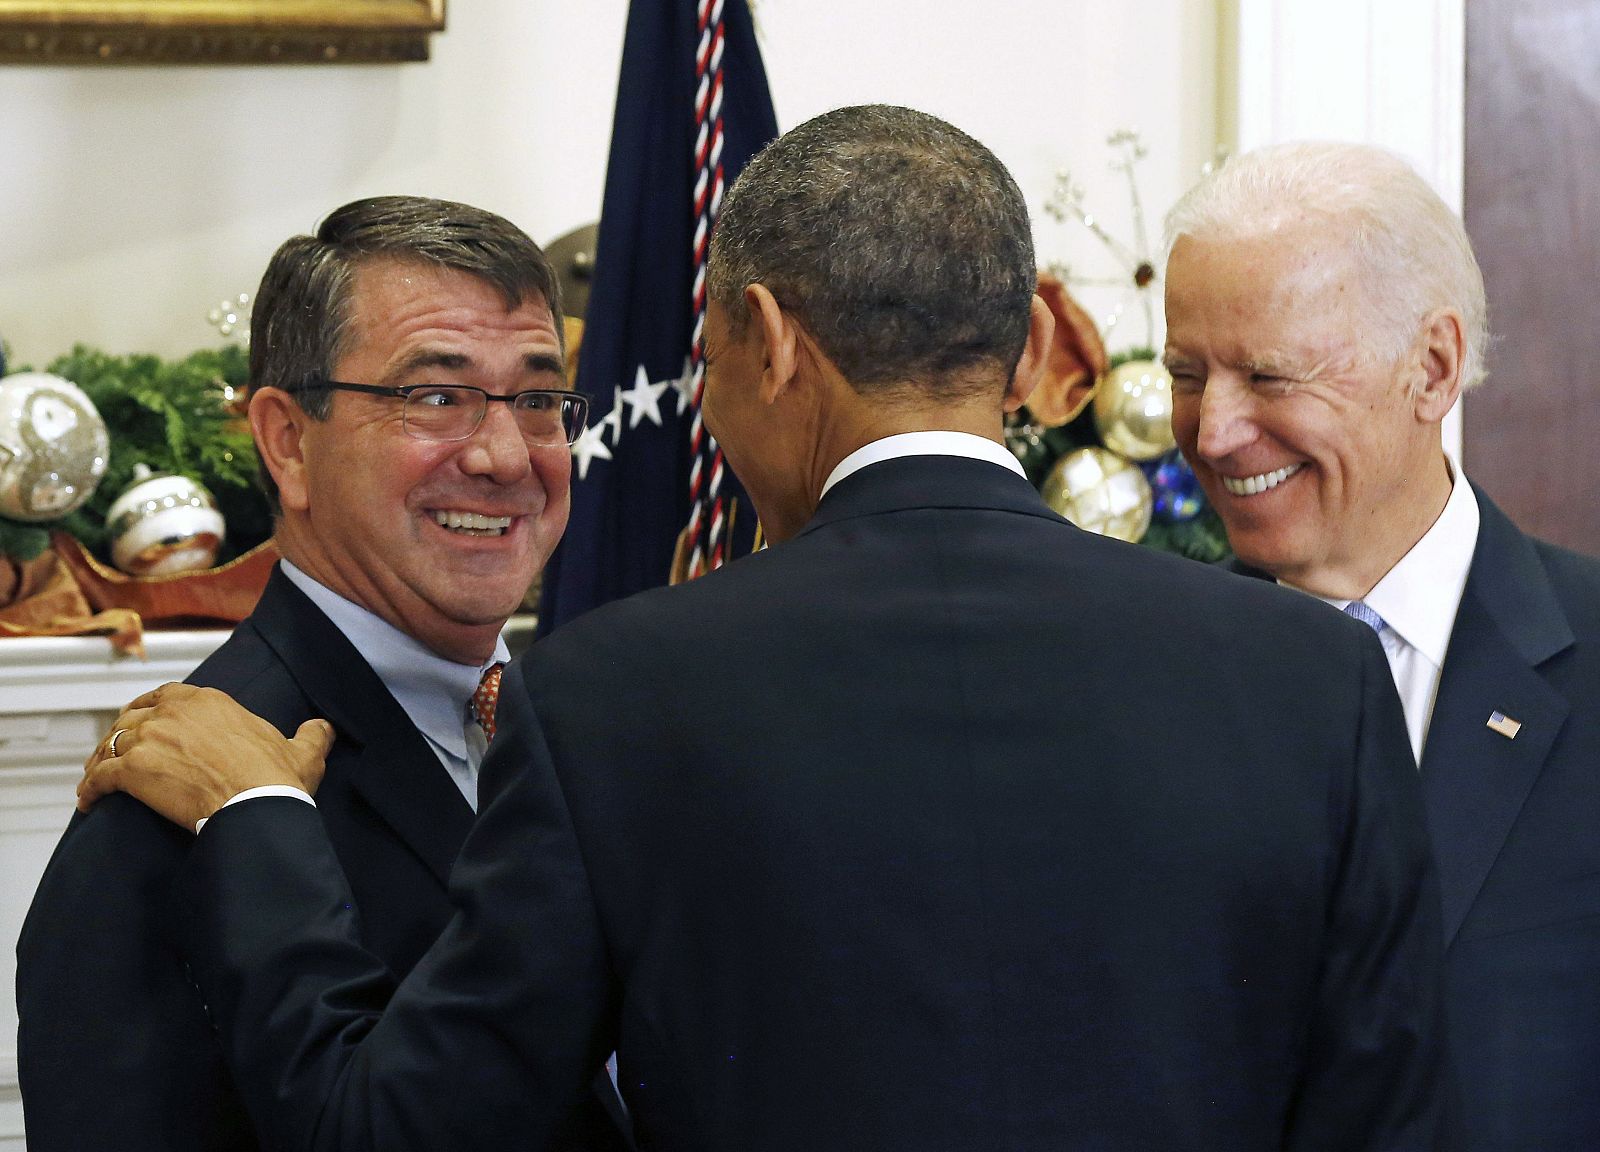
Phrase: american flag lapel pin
[1505,725]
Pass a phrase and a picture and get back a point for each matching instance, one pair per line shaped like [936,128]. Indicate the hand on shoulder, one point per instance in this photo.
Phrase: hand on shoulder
[185,751]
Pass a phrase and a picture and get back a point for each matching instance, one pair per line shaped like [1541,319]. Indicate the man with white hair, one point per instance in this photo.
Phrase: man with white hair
[1324,311]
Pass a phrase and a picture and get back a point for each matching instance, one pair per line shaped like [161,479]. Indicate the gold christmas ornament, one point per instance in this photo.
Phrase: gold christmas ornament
[1101,492]
[53,447]
[1133,410]
[164,524]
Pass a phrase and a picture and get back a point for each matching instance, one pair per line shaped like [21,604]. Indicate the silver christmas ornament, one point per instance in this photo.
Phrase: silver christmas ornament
[53,447]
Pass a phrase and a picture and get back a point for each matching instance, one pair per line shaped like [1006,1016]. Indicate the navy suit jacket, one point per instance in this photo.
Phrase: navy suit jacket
[1516,831]
[944,825]
[114,1048]
[1515,827]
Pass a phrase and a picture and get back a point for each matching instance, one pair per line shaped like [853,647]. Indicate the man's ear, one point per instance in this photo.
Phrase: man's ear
[278,424]
[780,355]
[1030,367]
[1442,347]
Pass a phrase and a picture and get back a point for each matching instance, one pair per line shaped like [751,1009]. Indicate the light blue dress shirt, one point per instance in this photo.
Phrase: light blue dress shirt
[436,693]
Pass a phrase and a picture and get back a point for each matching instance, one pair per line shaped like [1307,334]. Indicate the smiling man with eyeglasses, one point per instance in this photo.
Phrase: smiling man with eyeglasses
[433,516]
[408,401]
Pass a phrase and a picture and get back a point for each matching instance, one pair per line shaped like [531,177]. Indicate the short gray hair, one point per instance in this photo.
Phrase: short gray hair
[301,318]
[900,242]
[1412,250]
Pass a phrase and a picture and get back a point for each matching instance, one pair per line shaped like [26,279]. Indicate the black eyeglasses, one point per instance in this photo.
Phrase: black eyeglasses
[454,411]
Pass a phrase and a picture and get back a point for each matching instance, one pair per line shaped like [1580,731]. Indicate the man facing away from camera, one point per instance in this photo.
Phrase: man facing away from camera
[407,403]
[940,824]
[1324,311]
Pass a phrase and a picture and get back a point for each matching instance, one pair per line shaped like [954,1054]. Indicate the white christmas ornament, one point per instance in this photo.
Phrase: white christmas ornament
[164,524]
[53,447]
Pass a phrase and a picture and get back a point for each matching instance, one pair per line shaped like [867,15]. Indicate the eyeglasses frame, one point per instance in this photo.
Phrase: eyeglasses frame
[403,393]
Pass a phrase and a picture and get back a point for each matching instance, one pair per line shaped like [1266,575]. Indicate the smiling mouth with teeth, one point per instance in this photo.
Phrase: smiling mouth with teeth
[472,524]
[1255,485]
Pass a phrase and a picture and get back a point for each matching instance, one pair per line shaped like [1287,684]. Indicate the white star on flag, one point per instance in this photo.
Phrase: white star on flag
[613,418]
[644,398]
[589,445]
[684,386]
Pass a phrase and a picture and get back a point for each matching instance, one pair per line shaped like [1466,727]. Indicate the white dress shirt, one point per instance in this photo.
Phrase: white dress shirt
[923,444]
[1418,599]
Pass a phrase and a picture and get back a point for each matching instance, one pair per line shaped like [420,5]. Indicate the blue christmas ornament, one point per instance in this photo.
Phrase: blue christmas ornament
[1175,488]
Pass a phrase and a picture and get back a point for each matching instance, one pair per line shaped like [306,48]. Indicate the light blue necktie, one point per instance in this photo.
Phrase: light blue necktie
[1358,610]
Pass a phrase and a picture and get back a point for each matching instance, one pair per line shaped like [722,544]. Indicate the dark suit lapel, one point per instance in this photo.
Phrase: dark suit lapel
[1475,779]
[389,764]
[928,482]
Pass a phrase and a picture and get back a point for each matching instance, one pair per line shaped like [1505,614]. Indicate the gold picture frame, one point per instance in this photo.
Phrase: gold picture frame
[217,31]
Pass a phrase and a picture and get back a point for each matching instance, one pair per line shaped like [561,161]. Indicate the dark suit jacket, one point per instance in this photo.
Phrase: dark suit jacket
[114,1049]
[1516,830]
[943,826]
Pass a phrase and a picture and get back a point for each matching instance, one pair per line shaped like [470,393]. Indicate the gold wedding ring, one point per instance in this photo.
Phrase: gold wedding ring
[111,744]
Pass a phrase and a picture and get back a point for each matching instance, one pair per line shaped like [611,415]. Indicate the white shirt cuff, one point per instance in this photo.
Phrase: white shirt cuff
[264,790]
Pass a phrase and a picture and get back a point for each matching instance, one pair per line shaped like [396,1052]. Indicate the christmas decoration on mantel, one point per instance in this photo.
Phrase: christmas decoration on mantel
[177,418]
[167,489]
[1096,437]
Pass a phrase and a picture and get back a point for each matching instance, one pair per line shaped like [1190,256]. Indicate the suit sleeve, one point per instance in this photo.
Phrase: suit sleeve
[113,1047]
[1373,1075]
[492,1039]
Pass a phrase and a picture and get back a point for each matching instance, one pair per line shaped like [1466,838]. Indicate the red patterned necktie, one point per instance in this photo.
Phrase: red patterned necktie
[485,699]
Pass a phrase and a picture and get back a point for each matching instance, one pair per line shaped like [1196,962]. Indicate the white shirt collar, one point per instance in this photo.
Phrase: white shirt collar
[1419,596]
[923,444]
[431,690]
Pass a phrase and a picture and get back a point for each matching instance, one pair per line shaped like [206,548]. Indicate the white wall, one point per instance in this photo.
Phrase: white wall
[133,199]
[1366,70]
